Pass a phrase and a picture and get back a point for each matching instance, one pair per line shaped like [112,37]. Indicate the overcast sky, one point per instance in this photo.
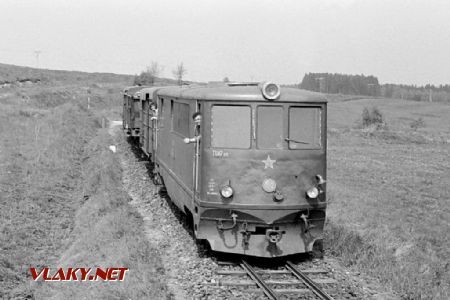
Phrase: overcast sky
[280,40]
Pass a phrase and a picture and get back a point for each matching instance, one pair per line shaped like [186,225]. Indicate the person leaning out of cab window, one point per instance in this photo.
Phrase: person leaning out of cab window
[154,111]
[197,117]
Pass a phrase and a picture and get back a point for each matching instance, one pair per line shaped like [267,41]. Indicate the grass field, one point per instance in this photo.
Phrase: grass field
[61,201]
[390,211]
[40,157]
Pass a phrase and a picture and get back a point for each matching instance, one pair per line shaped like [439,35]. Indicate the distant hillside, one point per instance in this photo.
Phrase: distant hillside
[17,75]
[11,75]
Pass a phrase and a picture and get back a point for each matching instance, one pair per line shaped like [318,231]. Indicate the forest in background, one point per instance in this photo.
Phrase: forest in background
[370,86]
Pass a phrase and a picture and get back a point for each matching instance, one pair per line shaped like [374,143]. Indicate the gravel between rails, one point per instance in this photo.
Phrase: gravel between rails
[189,266]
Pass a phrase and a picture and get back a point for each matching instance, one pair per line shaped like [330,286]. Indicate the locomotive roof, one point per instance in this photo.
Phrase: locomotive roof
[130,91]
[150,91]
[239,93]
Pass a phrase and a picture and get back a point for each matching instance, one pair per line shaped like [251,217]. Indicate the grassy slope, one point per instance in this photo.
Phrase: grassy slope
[49,162]
[389,211]
[108,233]
[40,166]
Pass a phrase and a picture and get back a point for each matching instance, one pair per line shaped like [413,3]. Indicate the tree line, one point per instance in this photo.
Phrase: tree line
[150,76]
[370,86]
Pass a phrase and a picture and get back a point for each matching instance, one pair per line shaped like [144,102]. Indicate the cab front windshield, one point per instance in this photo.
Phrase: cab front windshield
[275,127]
[230,126]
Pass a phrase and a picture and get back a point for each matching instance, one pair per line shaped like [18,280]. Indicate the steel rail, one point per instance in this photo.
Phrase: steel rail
[259,281]
[316,289]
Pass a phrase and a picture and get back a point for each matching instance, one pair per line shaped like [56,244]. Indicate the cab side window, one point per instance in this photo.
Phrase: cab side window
[180,118]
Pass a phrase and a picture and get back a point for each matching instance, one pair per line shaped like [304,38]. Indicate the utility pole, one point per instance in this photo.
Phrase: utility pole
[37,53]
[88,98]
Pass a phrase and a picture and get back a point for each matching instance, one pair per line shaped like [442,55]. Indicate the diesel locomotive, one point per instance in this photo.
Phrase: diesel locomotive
[246,161]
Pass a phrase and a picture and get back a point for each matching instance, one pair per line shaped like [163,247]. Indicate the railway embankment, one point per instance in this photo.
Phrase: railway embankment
[108,232]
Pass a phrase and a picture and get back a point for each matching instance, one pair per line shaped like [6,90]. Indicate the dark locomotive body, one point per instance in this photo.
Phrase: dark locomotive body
[132,110]
[148,134]
[252,174]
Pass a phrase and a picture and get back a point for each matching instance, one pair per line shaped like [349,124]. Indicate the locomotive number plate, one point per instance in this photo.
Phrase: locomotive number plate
[220,153]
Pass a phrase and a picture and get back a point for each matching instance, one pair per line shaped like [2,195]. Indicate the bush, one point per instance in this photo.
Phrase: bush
[372,118]
[416,124]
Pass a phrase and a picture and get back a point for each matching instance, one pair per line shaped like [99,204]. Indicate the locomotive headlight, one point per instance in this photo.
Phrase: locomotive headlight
[312,193]
[226,191]
[269,185]
[271,91]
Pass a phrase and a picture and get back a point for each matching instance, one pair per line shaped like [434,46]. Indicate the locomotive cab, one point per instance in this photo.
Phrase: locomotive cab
[135,117]
[252,174]
[125,109]
[132,110]
[263,181]
[148,120]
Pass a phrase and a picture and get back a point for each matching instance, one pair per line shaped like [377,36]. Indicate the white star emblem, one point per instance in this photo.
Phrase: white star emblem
[268,163]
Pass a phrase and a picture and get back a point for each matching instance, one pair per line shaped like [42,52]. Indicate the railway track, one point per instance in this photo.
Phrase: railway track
[284,282]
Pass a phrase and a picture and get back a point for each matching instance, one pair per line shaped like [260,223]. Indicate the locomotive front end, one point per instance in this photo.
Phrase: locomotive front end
[263,180]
